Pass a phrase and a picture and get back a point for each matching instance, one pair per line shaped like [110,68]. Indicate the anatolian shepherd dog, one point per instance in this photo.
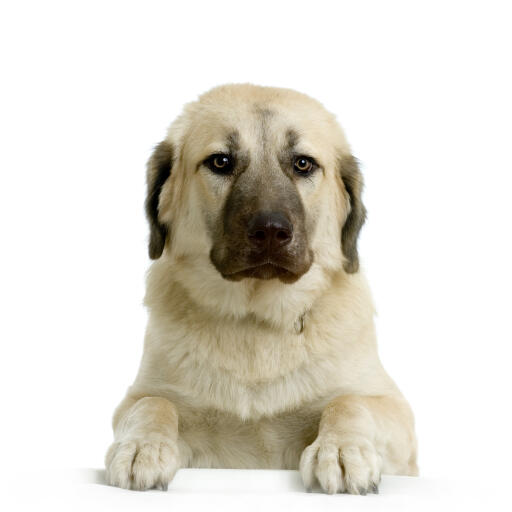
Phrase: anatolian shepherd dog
[260,350]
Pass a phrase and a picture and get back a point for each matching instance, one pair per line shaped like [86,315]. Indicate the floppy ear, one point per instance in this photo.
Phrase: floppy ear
[353,181]
[159,169]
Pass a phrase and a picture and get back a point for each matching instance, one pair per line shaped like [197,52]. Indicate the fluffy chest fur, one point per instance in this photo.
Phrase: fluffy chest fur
[250,366]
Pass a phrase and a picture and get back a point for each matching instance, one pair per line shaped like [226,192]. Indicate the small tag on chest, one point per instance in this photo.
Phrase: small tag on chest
[299,324]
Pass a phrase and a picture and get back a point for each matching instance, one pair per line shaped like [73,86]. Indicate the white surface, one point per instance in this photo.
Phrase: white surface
[248,490]
[423,90]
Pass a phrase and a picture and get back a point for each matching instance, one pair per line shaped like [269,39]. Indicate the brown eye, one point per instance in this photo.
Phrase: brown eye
[221,161]
[219,164]
[303,165]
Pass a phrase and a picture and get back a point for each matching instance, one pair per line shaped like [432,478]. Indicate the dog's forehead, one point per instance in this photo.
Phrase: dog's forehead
[253,126]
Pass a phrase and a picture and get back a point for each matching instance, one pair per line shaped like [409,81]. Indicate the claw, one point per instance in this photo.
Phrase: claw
[375,489]
[362,491]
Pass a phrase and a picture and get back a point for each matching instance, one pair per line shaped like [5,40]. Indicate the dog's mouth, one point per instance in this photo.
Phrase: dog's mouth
[265,271]
[287,266]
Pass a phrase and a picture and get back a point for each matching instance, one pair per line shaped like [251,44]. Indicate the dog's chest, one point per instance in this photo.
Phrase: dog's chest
[210,438]
[238,368]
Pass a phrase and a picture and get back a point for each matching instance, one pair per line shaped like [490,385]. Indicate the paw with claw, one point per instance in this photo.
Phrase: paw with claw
[142,463]
[349,465]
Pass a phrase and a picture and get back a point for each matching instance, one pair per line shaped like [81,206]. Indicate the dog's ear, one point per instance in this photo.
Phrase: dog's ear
[353,181]
[159,169]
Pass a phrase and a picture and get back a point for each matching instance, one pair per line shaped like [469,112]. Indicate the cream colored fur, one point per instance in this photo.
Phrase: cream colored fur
[227,379]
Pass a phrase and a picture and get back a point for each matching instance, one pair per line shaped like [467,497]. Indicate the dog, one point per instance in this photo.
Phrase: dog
[260,349]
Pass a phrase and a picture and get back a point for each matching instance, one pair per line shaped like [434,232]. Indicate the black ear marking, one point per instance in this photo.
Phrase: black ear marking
[353,181]
[159,169]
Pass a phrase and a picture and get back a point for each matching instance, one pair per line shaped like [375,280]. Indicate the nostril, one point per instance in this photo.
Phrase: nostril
[282,235]
[259,235]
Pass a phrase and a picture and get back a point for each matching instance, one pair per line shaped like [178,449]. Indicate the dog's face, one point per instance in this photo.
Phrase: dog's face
[260,180]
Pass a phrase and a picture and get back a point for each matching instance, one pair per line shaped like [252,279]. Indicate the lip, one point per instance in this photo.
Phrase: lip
[265,271]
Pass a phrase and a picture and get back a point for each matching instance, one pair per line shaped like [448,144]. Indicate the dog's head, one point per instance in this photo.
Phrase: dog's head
[261,180]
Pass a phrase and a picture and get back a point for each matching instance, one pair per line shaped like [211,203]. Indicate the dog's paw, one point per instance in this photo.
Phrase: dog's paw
[142,463]
[351,465]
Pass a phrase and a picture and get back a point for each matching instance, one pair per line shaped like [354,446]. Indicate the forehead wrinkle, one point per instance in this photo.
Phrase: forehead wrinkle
[289,149]
[292,139]
[233,141]
[241,157]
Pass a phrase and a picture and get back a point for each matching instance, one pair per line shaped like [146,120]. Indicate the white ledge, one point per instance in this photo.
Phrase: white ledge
[245,491]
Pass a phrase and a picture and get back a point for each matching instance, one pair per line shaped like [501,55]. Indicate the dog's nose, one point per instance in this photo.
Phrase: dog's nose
[269,230]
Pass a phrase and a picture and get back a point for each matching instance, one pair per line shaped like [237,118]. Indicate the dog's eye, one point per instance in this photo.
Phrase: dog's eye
[220,164]
[304,165]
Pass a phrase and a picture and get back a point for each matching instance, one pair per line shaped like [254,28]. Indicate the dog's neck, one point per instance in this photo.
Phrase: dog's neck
[283,306]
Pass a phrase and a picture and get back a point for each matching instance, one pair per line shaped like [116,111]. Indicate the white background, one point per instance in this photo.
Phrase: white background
[423,90]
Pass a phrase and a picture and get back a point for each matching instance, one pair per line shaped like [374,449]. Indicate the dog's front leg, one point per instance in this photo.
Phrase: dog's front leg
[359,437]
[144,454]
